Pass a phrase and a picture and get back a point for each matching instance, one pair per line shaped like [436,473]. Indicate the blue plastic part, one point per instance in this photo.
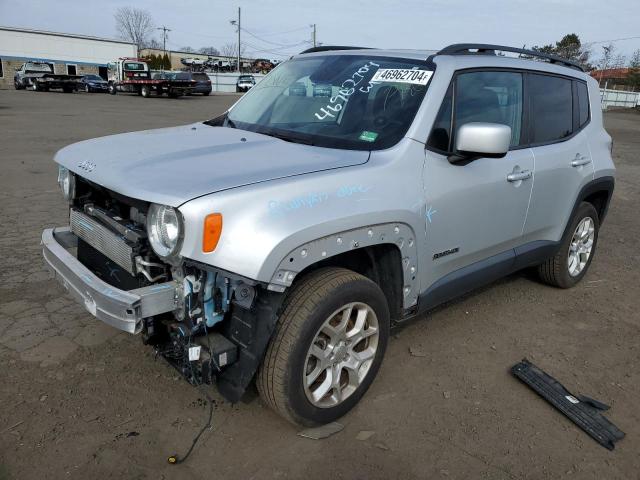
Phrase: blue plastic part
[211,317]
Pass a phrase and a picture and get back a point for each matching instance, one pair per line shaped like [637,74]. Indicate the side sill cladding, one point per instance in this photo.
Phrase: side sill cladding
[398,234]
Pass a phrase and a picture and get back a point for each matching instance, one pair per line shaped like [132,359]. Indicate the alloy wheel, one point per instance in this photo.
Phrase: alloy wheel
[581,246]
[341,355]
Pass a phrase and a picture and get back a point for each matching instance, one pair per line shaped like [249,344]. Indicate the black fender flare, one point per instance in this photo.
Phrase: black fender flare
[601,184]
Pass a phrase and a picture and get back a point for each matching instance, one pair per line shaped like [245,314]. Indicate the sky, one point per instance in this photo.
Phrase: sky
[279,28]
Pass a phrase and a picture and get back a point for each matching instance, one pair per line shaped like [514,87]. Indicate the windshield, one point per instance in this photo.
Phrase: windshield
[134,66]
[38,67]
[338,101]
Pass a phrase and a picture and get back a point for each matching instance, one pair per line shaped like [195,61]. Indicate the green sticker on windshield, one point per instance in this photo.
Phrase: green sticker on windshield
[368,136]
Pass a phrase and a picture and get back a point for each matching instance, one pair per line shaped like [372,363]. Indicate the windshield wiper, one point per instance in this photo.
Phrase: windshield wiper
[287,137]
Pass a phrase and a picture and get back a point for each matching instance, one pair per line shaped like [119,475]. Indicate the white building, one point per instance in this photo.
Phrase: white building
[69,53]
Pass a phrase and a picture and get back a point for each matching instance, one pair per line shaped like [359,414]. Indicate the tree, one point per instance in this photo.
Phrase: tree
[230,50]
[166,63]
[635,59]
[155,44]
[568,47]
[608,52]
[211,51]
[134,25]
[188,49]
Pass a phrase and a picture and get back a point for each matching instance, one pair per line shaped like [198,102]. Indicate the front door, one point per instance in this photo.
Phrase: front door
[475,213]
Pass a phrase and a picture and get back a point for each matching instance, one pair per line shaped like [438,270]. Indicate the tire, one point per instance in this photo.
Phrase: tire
[145,91]
[557,270]
[112,89]
[316,298]
[16,85]
[34,87]
[87,89]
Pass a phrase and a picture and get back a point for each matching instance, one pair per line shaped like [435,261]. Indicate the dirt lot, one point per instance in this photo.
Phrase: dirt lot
[80,400]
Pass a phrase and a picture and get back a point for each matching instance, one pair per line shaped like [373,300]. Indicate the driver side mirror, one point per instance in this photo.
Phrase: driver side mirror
[478,139]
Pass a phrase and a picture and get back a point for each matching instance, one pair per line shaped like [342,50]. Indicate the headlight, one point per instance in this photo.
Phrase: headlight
[164,227]
[67,183]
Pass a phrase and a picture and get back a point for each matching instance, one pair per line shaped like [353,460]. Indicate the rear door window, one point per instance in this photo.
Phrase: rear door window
[551,108]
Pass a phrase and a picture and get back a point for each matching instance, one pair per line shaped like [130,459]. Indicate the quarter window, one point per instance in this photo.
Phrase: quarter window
[551,108]
[583,103]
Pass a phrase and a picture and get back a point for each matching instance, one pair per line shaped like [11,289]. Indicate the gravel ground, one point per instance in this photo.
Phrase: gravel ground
[80,400]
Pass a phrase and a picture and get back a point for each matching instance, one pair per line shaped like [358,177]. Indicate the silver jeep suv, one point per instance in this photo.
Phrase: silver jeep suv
[349,191]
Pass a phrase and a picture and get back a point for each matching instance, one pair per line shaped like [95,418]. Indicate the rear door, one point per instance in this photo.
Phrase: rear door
[558,113]
[476,211]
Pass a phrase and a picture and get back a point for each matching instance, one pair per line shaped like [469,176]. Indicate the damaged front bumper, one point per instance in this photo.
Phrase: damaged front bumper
[121,309]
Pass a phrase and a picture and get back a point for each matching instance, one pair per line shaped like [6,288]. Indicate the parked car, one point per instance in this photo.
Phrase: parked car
[245,83]
[280,241]
[93,83]
[201,79]
[39,77]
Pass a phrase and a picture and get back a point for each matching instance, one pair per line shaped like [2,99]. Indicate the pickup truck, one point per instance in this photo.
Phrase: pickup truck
[132,75]
[39,77]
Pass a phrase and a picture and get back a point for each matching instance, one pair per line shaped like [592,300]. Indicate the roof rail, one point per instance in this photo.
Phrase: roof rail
[328,48]
[486,49]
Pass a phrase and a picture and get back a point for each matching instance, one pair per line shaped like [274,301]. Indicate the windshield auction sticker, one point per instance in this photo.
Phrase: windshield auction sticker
[402,75]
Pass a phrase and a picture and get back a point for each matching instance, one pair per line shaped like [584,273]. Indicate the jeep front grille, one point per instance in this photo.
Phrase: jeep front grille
[102,239]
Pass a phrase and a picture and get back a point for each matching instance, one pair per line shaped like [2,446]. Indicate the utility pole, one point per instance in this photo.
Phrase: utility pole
[239,40]
[237,22]
[164,40]
[314,34]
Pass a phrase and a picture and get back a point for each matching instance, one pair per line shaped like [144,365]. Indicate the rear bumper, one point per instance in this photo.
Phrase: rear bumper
[124,310]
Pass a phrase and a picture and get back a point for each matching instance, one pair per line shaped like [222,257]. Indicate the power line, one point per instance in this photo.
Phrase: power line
[613,40]
[262,39]
[281,51]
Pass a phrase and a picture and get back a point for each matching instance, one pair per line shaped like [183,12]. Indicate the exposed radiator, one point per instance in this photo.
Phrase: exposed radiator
[110,244]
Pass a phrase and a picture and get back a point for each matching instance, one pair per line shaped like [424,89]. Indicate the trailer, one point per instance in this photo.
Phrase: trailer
[132,75]
[39,77]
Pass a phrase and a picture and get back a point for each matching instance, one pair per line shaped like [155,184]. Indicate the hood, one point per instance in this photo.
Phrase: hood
[174,165]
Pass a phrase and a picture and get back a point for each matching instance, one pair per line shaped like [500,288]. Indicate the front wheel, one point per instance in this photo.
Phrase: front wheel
[145,91]
[327,348]
[112,89]
[567,267]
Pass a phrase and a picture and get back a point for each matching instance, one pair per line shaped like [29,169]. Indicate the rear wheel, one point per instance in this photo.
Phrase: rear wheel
[567,267]
[327,348]
[145,91]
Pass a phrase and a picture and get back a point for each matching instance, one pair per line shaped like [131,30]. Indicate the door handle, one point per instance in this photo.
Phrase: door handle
[580,161]
[516,177]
